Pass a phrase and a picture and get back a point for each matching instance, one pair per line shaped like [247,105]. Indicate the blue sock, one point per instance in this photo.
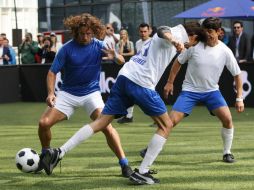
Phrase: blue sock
[123,162]
[43,150]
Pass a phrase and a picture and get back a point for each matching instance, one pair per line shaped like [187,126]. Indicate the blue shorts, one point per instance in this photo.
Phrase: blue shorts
[126,93]
[187,100]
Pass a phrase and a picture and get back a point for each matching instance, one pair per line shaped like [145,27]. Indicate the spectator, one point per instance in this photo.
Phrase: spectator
[28,48]
[111,38]
[12,61]
[40,38]
[3,35]
[5,55]
[239,43]
[56,44]
[48,51]
[125,47]
[223,36]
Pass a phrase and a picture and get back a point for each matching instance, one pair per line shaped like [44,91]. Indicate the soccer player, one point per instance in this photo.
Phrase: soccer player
[144,32]
[136,85]
[206,62]
[80,60]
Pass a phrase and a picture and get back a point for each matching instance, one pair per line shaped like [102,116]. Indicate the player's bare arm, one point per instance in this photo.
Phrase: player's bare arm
[169,87]
[239,105]
[164,32]
[51,79]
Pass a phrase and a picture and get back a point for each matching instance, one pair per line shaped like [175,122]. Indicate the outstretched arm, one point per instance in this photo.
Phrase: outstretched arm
[169,87]
[164,32]
[239,105]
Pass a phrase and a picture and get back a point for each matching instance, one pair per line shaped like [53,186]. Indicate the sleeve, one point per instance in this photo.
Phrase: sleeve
[232,64]
[59,61]
[184,56]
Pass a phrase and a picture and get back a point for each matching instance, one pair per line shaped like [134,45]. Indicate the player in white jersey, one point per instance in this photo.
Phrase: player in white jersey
[144,33]
[136,85]
[206,62]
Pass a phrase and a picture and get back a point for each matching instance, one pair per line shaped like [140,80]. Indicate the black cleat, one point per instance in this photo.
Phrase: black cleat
[40,166]
[142,153]
[142,179]
[125,119]
[126,171]
[51,159]
[229,158]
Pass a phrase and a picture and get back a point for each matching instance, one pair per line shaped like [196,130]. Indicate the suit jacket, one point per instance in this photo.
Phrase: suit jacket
[244,46]
[251,58]
[6,51]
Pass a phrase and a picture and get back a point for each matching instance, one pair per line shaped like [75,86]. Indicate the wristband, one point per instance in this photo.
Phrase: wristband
[239,99]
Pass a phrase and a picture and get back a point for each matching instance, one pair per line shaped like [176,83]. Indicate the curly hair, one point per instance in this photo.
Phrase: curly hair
[74,23]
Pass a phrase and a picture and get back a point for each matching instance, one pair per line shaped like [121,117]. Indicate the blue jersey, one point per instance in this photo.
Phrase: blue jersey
[81,65]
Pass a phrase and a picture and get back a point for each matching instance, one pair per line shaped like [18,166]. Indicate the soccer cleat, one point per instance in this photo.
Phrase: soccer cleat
[142,179]
[40,165]
[142,153]
[51,159]
[125,119]
[229,158]
[126,171]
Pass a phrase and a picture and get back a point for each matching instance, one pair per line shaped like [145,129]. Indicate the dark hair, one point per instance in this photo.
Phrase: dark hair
[212,23]
[194,28]
[49,39]
[238,22]
[142,25]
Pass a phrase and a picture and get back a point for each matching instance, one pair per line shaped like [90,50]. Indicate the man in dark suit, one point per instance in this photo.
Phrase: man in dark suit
[239,43]
[5,55]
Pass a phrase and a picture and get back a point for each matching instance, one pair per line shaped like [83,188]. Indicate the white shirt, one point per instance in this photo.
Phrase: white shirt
[140,43]
[110,41]
[205,65]
[147,66]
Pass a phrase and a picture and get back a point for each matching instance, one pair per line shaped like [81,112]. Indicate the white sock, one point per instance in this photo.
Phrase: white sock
[84,133]
[130,112]
[227,137]
[153,150]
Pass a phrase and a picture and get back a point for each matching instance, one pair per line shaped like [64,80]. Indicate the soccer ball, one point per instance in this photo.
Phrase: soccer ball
[27,160]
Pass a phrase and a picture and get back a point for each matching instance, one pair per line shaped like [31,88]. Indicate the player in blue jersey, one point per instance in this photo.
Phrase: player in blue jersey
[136,85]
[80,60]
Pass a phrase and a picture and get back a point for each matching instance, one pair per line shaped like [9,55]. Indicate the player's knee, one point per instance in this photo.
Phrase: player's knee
[227,122]
[44,123]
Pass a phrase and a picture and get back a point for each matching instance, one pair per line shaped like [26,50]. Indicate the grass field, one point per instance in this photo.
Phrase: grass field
[191,159]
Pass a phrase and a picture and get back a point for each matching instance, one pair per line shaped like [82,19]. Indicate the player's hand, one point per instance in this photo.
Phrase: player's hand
[109,52]
[239,105]
[51,99]
[168,90]
[178,45]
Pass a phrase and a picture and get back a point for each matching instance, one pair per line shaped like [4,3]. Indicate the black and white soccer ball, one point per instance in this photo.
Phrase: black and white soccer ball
[27,160]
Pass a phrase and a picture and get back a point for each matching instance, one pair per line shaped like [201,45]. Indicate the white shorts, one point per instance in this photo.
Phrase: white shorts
[66,103]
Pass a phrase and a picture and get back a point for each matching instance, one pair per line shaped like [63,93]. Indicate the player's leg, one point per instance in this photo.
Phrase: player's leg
[142,175]
[218,106]
[227,132]
[50,117]
[54,155]
[114,143]
[127,118]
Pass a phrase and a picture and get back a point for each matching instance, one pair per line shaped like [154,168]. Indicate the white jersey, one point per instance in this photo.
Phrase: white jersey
[205,65]
[140,43]
[147,66]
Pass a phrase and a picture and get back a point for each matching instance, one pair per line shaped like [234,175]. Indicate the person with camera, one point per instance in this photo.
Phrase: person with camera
[28,48]
[48,51]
